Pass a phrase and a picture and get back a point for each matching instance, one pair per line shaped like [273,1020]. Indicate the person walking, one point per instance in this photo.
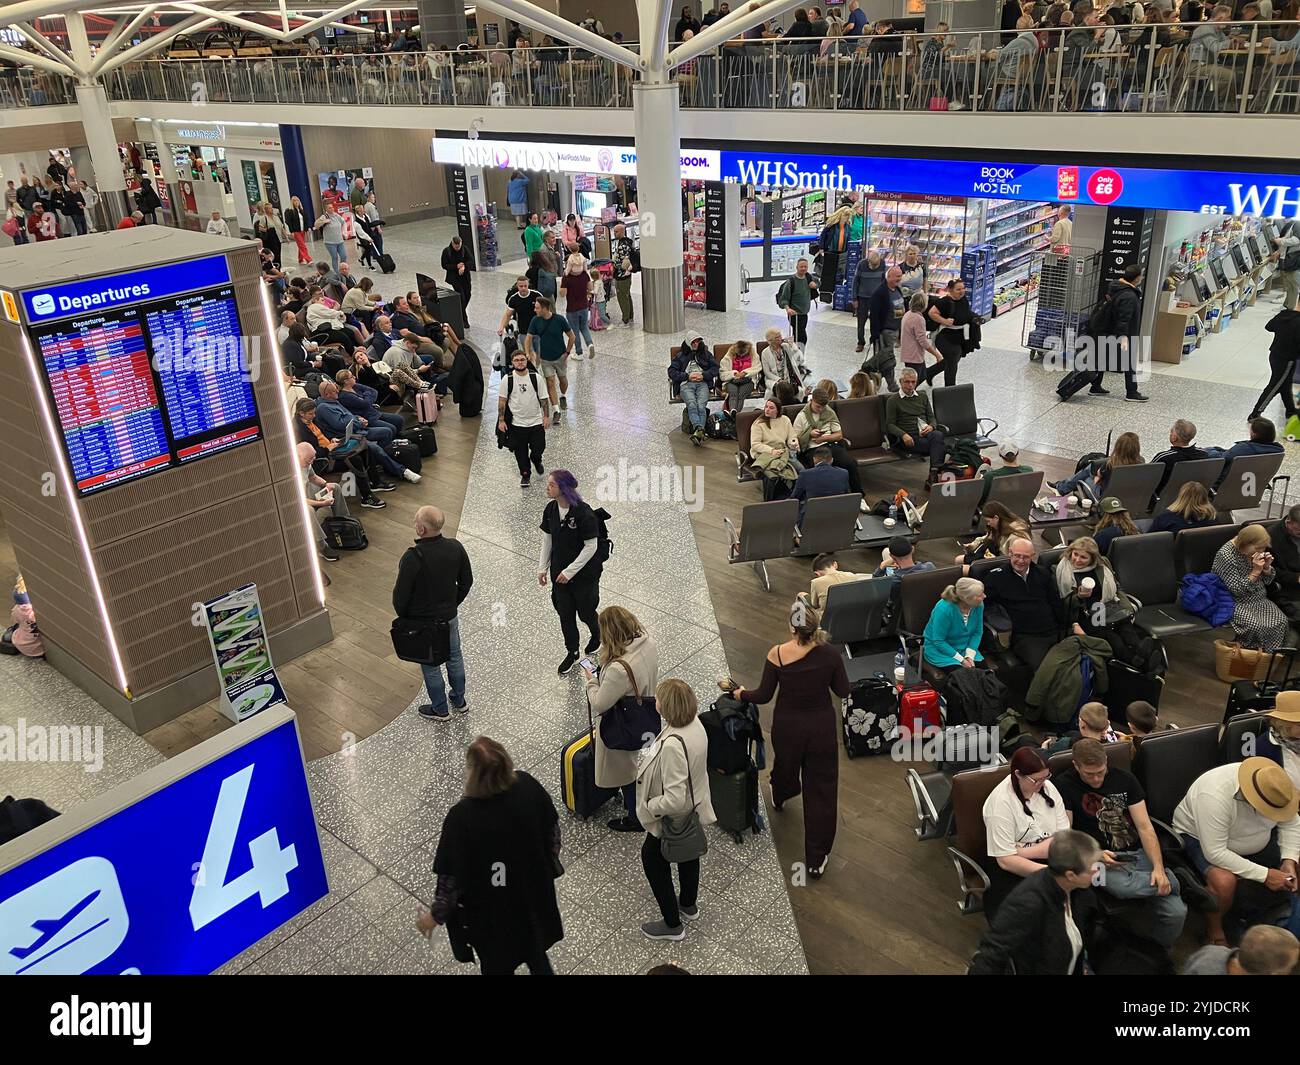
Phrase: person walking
[433,579]
[869,276]
[1282,356]
[570,557]
[330,224]
[147,201]
[507,822]
[886,312]
[802,673]
[523,416]
[547,344]
[672,786]
[577,285]
[957,332]
[295,221]
[1286,253]
[517,197]
[628,669]
[795,297]
[1122,334]
[458,267]
[268,228]
[533,235]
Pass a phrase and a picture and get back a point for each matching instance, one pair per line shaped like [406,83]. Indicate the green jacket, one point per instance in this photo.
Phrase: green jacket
[1057,687]
[903,412]
[796,292]
[533,239]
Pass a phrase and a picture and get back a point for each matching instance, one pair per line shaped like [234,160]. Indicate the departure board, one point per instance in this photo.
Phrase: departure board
[149,386]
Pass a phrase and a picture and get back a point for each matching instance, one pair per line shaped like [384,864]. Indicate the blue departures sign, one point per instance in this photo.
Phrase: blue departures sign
[180,881]
[114,290]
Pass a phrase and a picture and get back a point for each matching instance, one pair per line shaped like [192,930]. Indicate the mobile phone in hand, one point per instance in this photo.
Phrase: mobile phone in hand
[589,665]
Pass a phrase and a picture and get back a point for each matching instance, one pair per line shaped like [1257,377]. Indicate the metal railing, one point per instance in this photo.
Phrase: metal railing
[1224,68]
[28,87]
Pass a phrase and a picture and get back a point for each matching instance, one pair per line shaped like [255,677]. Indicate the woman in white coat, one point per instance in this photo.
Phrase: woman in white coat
[673,779]
[783,361]
[629,665]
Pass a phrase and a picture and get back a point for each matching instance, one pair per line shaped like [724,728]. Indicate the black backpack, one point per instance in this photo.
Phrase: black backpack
[604,545]
[720,426]
[22,815]
[1101,320]
[735,735]
[345,534]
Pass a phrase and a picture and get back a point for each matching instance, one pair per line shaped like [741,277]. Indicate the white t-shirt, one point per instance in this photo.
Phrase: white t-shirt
[525,404]
[218,228]
[1006,825]
[1073,934]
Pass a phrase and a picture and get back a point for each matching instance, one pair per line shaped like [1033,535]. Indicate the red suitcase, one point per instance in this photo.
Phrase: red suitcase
[918,708]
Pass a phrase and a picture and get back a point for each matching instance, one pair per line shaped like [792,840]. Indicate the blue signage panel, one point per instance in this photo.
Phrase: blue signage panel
[114,290]
[1202,191]
[180,881]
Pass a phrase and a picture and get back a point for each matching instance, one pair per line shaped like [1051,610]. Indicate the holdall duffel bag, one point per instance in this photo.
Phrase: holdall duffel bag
[425,642]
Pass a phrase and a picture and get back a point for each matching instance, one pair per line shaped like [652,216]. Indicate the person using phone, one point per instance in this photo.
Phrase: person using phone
[628,665]
[1245,565]
[1110,806]
[1238,822]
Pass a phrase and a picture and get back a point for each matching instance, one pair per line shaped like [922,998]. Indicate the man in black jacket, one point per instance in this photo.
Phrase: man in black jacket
[1032,926]
[1027,592]
[1182,448]
[433,579]
[1284,544]
[1282,356]
[1124,334]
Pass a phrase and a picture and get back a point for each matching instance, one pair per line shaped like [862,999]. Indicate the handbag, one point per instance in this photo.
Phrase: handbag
[1232,662]
[683,840]
[938,103]
[632,720]
[10,227]
[418,640]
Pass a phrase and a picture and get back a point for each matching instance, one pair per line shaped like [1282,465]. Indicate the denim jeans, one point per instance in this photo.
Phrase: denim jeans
[578,323]
[1132,880]
[381,433]
[1082,479]
[337,255]
[695,394]
[78,223]
[455,666]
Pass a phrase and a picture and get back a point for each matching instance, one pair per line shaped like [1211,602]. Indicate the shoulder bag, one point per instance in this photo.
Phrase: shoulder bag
[626,724]
[683,840]
[422,641]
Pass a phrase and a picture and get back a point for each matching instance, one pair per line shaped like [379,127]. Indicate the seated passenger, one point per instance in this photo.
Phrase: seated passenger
[1094,724]
[1027,593]
[1245,567]
[1284,546]
[361,400]
[829,387]
[909,423]
[827,574]
[1110,806]
[739,372]
[1009,452]
[1094,477]
[818,426]
[956,625]
[1265,950]
[1263,441]
[694,374]
[1020,817]
[1000,528]
[819,479]
[325,319]
[349,455]
[1191,509]
[1049,919]
[1086,583]
[1143,719]
[861,386]
[404,322]
[303,356]
[335,420]
[783,360]
[1112,523]
[897,561]
[321,497]
[1281,740]
[1238,822]
[1182,448]
[773,447]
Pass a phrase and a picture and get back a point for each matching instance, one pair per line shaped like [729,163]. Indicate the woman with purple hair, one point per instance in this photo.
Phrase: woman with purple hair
[570,543]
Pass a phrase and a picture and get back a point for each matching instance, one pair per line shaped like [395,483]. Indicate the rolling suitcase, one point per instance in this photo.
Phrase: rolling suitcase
[386,263]
[424,439]
[426,407]
[578,777]
[1252,696]
[1074,381]
[869,717]
[405,452]
[735,800]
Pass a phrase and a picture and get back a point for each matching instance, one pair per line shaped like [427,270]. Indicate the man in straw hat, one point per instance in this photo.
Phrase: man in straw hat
[1239,822]
[1280,742]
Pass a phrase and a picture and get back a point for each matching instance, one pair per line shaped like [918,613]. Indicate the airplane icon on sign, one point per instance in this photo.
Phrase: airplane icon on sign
[50,927]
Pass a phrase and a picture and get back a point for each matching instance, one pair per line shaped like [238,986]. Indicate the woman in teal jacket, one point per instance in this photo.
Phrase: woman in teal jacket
[952,635]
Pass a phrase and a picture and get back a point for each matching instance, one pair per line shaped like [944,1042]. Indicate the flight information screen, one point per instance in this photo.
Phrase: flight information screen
[148,386]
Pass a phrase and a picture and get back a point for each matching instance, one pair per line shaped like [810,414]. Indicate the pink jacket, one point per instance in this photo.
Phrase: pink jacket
[913,338]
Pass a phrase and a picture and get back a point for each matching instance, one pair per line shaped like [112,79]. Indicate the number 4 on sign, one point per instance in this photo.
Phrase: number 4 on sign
[272,864]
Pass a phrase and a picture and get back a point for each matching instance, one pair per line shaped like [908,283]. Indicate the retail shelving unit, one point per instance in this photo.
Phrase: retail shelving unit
[938,229]
[1018,232]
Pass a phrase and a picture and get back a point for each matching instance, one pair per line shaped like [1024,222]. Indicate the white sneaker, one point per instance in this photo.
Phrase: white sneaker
[576,356]
[408,475]
[863,507]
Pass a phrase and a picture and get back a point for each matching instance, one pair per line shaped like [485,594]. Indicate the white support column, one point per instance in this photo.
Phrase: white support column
[659,203]
[97,121]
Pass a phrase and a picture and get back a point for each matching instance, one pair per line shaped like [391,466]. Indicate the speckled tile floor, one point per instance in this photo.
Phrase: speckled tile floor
[381,803]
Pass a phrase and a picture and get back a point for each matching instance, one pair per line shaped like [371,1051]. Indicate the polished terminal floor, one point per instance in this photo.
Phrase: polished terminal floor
[380,800]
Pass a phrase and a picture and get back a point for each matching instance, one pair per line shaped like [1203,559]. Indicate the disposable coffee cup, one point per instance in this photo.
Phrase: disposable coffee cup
[1087,584]
[890,523]
[900,674]
[1072,500]
[1085,503]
